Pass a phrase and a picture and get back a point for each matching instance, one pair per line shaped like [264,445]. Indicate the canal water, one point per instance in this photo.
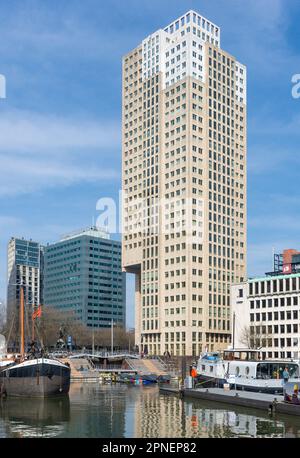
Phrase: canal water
[107,411]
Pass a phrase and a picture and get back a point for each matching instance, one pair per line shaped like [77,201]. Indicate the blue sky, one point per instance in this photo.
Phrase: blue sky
[60,142]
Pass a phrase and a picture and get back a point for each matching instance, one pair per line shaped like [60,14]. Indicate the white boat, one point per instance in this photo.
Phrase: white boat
[5,358]
[244,369]
[211,370]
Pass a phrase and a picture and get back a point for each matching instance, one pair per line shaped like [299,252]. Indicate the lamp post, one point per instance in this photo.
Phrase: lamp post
[112,336]
[93,341]
[233,331]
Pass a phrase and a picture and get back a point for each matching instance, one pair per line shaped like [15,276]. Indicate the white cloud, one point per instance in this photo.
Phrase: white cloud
[39,151]
[27,176]
[30,132]
[70,32]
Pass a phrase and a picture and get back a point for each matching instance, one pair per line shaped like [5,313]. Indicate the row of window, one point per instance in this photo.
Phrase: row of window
[274,316]
[274,302]
[274,286]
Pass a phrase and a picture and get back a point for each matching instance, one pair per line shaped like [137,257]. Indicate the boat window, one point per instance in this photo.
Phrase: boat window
[211,368]
[276,370]
[293,370]
[247,370]
[237,371]
[203,368]
[263,371]
[249,355]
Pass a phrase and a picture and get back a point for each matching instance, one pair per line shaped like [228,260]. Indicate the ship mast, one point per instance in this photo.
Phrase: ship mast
[22,337]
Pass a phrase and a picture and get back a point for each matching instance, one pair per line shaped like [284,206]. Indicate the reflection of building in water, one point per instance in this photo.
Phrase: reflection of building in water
[120,411]
[161,416]
[34,417]
[223,423]
[156,416]
[3,429]
[97,410]
[168,416]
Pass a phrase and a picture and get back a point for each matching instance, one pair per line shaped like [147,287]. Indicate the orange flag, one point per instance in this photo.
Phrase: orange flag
[37,313]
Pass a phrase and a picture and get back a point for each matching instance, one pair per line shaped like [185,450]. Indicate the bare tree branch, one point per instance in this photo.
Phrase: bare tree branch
[255,336]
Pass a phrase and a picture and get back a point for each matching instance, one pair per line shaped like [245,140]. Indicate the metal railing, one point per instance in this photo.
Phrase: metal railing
[103,353]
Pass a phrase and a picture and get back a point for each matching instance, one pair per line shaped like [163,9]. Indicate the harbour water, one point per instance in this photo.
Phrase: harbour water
[111,411]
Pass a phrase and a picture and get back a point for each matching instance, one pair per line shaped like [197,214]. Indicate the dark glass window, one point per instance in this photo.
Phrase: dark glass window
[280,285]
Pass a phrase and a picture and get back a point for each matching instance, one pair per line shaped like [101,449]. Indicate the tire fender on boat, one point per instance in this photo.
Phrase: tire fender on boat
[2,390]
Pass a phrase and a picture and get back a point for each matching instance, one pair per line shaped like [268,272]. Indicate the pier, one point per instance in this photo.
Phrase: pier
[273,403]
[91,367]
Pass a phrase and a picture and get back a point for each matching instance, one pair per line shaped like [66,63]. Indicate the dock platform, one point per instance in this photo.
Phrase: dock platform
[268,402]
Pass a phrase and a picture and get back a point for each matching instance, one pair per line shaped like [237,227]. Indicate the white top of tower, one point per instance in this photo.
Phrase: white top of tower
[177,50]
[194,19]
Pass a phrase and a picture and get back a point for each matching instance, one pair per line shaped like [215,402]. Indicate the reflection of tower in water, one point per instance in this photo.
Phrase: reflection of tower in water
[159,415]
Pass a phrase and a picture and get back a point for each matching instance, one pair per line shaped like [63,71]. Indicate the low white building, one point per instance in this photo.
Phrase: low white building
[266,314]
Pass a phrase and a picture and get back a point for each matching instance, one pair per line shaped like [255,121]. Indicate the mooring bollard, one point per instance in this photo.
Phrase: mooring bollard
[270,409]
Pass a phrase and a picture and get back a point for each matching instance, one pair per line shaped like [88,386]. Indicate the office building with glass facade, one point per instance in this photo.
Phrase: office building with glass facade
[24,261]
[82,273]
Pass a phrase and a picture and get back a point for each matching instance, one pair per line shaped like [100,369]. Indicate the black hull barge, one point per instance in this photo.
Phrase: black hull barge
[40,377]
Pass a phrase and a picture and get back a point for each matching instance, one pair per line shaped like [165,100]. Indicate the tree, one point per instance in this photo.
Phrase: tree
[53,321]
[256,336]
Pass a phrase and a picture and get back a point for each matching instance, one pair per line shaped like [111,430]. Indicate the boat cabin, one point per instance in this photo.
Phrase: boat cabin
[242,354]
[211,365]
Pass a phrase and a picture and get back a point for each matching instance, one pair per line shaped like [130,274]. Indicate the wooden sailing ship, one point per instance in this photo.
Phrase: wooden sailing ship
[35,377]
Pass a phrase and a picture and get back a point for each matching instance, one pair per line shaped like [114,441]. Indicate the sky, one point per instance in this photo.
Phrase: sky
[60,123]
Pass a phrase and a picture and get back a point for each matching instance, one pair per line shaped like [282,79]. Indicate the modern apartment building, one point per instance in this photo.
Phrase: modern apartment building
[184,183]
[24,266]
[83,274]
[267,310]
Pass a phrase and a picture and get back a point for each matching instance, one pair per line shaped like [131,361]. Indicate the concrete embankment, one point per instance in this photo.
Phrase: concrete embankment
[81,369]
